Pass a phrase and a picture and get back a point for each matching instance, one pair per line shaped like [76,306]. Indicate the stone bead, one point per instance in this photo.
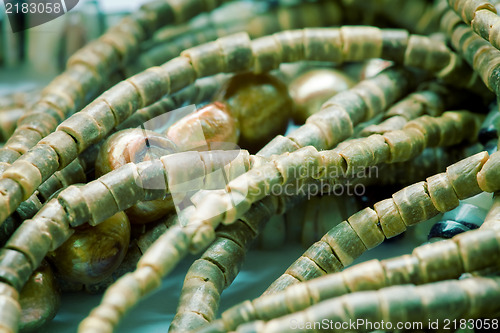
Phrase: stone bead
[91,254]
[39,299]
[262,106]
[311,89]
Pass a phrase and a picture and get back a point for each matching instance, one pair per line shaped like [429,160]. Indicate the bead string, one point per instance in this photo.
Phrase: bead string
[447,259]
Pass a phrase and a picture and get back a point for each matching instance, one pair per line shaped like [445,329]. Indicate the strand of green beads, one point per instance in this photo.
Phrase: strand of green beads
[447,259]
[214,56]
[227,54]
[76,171]
[90,67]
[303,15]
[433,99]
[447,300]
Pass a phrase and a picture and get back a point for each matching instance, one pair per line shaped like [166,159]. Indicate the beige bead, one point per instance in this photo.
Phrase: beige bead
[124,99]
[394,44]
[224,253]
[429,127]
[463,175]
[396,301]
[425,53]
[297,165]
[44,158]
[166,251]
[439,261]
[201,297]
[391,124]
[100,201]
[236,51]
[298,297]
[488,177]
[374,97]
[26,175]
[64,145]
[350,102]
[402,270]
[443,300]
[107,313]
[414,204]
[390,220]
[304,269]
[328,286]
[56,222]
[471,7]
[492,220]
[15,268]
[125,185]
[360,43]
[481,292]
[371,151]
[321,253]
[185,172]
[323,45]
[33,240]
[281,283]
[365,224]
[152,84]
[441,191]
[345,243]
[478,249]
[11,196]
[32,126]
[494,38]
[309,135]
[291,44]
[368,275]
[363,305]
[10,314]
[83,129]
[335,124]
[404,144]
[267,54]
[96,324]
[181,73]
[206,59]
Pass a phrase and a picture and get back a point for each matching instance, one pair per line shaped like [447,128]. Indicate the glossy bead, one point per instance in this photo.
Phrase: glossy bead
[132,145]
[448,229]
[91,254]
[215,123]
[39,299]
[262,106]
[461,219]
[311,89]
[137,145]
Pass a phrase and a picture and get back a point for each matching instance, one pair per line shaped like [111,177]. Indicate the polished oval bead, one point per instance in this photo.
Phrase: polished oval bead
[91,254]
[312,88]
[132,145]
[261,104]
[39,299]
[137,145]
[209,128]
